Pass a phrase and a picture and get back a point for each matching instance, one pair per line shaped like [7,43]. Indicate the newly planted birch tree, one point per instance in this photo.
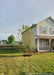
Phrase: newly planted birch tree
[26,35]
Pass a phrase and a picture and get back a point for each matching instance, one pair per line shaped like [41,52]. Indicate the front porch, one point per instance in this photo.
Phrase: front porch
[45,44]
[52,44]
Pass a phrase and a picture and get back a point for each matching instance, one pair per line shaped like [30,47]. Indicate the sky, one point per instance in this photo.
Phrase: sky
[14,13]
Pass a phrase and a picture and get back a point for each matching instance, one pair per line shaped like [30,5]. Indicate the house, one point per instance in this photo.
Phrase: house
[43,34]
[3,42]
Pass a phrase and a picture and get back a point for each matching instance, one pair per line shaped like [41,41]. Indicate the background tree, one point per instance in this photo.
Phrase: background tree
[11,39]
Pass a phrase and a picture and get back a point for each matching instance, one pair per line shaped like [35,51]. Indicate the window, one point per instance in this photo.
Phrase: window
[52,31]
[43,30]
[40,43]
[44,43]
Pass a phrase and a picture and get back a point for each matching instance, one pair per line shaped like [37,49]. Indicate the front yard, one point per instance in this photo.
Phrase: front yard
[37,63]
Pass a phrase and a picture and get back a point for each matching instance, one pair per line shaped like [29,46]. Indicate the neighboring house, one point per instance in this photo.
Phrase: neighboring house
[44,34]
[3,42]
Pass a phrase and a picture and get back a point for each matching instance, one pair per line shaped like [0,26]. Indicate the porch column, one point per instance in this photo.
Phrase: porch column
[49,43]
[38,44]
[50,48]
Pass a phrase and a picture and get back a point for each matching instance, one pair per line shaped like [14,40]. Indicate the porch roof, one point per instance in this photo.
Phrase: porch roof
[46,36]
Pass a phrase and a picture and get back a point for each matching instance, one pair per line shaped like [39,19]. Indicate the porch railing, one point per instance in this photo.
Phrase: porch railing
[43,48]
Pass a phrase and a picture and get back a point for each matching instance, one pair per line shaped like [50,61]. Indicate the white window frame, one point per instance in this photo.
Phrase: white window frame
[53,31]
[43,30]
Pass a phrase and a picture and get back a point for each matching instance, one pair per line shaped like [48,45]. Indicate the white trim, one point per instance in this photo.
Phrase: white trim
[49,43]
[45,34]
[43,50]
[42,42]
[38,44]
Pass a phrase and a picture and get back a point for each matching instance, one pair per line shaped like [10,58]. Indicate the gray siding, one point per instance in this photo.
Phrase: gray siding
[34,29]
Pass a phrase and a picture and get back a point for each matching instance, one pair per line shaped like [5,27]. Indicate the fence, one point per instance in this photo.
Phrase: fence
[11,47]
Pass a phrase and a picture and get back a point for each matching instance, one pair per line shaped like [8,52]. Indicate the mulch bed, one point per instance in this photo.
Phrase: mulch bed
[27,55]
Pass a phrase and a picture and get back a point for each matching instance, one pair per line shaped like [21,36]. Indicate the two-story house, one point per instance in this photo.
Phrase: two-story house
[44,34]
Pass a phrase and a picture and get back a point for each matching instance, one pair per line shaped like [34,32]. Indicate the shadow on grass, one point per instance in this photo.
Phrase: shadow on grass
[11,51]
[22,55]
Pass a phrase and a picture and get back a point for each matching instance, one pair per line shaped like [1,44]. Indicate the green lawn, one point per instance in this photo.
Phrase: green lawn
[11,53]
[14,63]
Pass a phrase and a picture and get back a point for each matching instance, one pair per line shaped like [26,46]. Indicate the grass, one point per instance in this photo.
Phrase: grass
[15,63]
[11,53]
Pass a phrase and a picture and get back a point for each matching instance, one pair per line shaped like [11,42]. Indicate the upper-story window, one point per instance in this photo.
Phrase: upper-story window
[52,31]
[43,30]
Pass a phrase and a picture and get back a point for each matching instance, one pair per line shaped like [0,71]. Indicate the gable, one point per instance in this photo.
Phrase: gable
[50,21]
[47,22]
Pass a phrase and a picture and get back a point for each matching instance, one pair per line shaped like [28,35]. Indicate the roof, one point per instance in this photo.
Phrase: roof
[47,19]
[51,19]
[29,27]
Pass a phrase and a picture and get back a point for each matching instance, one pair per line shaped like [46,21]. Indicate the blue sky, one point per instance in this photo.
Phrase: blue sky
[14,13]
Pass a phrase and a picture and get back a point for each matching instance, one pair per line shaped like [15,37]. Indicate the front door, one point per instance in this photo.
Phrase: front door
[52,43]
